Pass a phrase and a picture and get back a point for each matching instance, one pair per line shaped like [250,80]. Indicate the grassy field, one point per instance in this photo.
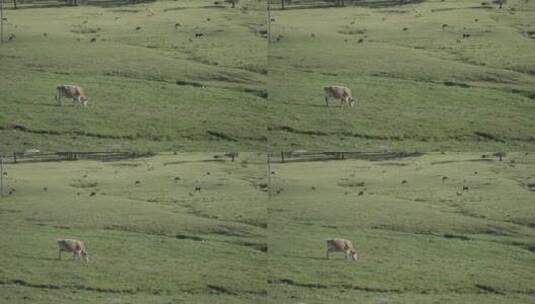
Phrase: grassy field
[150,236]
[421,85]
[419,241]
[144,74]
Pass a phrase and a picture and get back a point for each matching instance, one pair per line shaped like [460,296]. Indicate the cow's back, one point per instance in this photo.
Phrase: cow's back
[70,245]
[337,244]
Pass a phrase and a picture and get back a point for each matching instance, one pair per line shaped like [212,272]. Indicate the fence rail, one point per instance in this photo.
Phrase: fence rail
[27,157]
[294,4]
[297,156]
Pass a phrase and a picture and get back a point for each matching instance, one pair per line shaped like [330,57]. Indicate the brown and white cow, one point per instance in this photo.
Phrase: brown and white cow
[71,91]
[75,246]
[339,92]
[342,245]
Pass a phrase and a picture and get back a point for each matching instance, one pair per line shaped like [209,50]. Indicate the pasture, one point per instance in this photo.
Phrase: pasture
[430,75]
[151,237]
[190,77]
[420,237]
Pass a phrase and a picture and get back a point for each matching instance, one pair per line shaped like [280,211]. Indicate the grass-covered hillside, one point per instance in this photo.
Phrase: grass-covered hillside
[420,237]
[151,237]
[430,75]
[153,84]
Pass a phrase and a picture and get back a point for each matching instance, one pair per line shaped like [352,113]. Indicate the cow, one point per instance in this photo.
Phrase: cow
[342,245]
[75,246]
[71,91]
[339,92]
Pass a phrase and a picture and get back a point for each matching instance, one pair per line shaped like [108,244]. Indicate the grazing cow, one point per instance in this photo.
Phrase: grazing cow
[339,92]
[342,245]
[71,91]
[75,246]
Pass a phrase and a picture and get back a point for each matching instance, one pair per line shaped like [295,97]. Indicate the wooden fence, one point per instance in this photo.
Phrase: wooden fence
[298,156]
[25,157]
[295,4]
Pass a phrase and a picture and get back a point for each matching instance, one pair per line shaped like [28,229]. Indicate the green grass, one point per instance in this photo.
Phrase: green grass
[152,241]
[135,78]
[418,241]
[421,88]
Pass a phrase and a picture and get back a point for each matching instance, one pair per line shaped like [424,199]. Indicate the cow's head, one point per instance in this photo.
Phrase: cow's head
[352,101]
[85,256]
[354,255]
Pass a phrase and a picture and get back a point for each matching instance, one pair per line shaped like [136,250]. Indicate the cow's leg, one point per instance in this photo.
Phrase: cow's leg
[327,100]
[329,249]
[58,98]
[59,254]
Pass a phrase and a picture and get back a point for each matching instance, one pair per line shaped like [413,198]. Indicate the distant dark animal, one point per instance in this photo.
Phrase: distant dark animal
[313,188]
[272,19]
[138,28]
[45,189]
[45,34]
[361,193]
[444,178]
[207,173]
[444,26]
[198,35]
[313,35]
[137,182]
[198,188]
[465,188]
[403,181]
[361,40]
[93,40]
[177,179]
[466,35]
[475,172]
[208,19]
[75,246]
[11,37]
[93,194]
[476,20]
[341,245]
[272,172]
[177,24]
[405,29]
[11,191]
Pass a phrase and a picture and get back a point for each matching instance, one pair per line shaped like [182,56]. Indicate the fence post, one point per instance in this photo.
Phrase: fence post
[269,173]
[1,176]
[1,21]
